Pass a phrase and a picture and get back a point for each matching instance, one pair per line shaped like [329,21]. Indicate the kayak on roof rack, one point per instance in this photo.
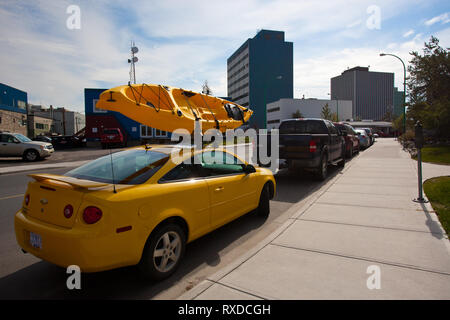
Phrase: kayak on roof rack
[169,108]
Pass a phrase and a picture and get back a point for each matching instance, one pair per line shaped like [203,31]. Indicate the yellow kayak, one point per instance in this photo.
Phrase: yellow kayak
[168,108]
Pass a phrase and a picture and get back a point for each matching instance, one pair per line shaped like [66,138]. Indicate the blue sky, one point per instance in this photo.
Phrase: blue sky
[184,43]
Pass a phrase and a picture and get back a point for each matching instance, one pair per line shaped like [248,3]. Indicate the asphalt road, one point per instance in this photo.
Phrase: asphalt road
[22,276]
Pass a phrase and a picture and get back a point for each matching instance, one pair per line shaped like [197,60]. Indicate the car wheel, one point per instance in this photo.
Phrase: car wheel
[31,155]
[350,152]
[163,252]
[322,170]
[341,163]
[264,202]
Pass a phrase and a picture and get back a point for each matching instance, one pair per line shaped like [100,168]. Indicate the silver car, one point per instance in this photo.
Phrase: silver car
[17,145]
[364,140]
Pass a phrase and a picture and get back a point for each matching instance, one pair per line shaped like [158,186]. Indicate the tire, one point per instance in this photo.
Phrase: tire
[341,164]
[159,259]
[322,170]
[350,152]
[31,155]
[263,210]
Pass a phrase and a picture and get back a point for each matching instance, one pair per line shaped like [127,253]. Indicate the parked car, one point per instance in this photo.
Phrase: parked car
[351,138]
[370,135]
[17,145]
[61,142]
[141,213]
[311,144]
[42,138]
[364,140]
[112,137]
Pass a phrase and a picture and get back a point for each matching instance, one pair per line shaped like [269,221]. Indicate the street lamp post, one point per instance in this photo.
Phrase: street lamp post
[404,87]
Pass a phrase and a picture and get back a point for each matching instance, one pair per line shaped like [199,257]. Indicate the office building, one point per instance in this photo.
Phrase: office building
[398,103]
[260,72]
[371,93]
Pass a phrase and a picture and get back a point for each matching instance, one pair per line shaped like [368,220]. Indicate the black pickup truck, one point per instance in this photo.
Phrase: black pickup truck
[311,144]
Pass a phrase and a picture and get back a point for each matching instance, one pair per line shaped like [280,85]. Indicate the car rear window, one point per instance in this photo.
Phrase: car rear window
[130,167]
[110,131]
[303,126]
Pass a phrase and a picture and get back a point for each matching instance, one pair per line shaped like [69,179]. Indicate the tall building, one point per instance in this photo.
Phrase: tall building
[398,103]
[372,93]
[260,72]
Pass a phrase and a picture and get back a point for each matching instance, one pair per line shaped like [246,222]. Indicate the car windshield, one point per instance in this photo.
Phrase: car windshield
[363,132]
[22,138]
[129,167]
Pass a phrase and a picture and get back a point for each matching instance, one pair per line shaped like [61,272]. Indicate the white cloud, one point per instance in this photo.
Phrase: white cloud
[443,18]
[408,33]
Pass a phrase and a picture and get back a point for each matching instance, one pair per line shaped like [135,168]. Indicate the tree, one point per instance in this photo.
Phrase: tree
[206,89]
[429,88]
[327,114]
[297,114]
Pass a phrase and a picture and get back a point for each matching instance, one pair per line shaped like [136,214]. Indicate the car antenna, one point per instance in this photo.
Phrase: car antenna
[112,171]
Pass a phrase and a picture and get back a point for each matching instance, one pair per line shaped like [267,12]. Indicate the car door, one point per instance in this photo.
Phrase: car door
[185,188]
[232,192]
[10,146]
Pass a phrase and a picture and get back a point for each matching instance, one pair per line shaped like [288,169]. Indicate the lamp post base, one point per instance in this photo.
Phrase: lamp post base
[420,200]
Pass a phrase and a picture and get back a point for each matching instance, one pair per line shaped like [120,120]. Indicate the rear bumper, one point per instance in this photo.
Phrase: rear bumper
[64,247]
[304,163]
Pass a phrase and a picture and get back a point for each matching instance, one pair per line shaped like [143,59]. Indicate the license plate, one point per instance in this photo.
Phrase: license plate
[35,240]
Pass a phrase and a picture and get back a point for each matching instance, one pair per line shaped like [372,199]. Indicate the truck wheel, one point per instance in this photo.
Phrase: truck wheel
[163,252]
[322,170]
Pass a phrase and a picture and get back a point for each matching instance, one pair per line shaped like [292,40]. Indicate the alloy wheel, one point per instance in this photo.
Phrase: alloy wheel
[167,251]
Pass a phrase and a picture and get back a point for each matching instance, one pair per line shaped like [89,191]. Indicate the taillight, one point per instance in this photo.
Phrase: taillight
[92,215]
[27,199]
[312,146]
[68,211]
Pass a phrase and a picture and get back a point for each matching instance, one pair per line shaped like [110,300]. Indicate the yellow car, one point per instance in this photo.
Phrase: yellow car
[138,207]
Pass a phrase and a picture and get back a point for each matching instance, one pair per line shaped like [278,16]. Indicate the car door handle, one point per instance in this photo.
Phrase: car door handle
[218,189]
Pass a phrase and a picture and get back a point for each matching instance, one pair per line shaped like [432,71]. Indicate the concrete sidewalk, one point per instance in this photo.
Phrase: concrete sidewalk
[363,217]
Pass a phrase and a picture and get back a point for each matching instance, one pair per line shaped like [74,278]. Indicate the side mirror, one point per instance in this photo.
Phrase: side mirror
[16,141]
[248,168]
[358,133]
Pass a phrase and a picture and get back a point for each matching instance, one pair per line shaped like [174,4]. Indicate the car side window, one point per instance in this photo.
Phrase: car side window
[7,138]
[184,171]
[219,163]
